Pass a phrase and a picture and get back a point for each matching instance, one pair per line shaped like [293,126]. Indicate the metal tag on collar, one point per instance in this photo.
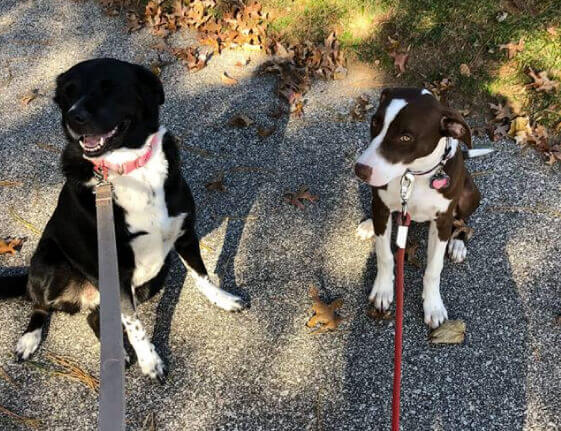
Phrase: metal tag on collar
[440,179]
[406,188]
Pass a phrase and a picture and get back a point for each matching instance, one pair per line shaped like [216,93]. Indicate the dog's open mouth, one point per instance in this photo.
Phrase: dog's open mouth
[94,144]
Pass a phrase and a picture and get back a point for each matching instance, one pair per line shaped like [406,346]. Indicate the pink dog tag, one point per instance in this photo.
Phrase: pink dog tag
[439,180]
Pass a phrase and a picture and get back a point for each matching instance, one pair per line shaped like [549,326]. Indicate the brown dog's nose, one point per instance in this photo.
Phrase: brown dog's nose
[363,171]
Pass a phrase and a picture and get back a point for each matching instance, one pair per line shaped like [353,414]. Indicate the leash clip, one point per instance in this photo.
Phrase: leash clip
[406,188]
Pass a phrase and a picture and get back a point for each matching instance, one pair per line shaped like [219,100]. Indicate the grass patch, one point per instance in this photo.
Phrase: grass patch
[443,34]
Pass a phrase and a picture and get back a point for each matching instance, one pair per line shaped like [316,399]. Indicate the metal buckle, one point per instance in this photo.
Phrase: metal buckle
[406,188]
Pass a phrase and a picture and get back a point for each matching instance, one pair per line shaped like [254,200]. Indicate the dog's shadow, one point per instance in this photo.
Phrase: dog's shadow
[211,146]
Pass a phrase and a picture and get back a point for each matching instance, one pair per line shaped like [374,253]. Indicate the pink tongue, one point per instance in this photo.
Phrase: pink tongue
[90,141]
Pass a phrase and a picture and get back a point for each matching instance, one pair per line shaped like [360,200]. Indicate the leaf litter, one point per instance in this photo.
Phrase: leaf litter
[297,198]
[10,245]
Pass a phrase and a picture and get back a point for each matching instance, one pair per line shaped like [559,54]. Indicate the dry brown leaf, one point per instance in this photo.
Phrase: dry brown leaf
[265,132]
[376,314]
[10,245]
[217,183]
[460,227]
[498,132]
[400,60]
[464,70]
[552,30]
[541,81]
[134,22]
[240,120]
[501,112]
[301,195]
[227,79]
[450,332]
[520,129]
[29,96]
[513,48]
[361,107]
[325,314]
[411,254]
[49,147]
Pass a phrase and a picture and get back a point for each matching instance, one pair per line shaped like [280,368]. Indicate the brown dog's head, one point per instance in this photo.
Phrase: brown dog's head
[407,132]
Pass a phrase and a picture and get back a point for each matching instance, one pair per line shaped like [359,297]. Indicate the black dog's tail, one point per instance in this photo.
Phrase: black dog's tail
[13,285]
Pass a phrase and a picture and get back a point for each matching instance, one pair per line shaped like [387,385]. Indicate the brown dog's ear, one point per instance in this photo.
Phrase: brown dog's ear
[453,124]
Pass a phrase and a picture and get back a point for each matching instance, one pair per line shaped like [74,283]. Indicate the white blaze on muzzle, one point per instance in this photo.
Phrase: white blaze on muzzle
[383,171]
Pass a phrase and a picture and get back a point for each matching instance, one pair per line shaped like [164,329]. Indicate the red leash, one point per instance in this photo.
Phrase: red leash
[403,223]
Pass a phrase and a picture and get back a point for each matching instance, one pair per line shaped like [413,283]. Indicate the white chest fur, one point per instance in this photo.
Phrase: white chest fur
[141,195]
[424,202]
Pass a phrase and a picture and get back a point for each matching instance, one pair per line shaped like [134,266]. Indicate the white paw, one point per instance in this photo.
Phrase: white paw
[150,363]
[457,250]
[28,344]
[382,293]
[220,297]
[435,311]
[365,230]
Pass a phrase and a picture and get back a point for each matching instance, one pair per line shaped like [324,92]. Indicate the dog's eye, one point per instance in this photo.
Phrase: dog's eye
[406,138]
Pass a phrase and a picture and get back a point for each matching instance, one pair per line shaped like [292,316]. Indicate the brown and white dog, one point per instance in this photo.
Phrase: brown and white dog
[413,132]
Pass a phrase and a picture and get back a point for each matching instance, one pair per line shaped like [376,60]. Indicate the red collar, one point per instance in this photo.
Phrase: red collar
[102,167]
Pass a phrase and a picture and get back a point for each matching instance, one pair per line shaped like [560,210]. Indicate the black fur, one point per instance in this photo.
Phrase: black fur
[102,93]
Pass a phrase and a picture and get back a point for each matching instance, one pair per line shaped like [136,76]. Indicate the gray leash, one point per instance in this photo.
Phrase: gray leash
[112,390]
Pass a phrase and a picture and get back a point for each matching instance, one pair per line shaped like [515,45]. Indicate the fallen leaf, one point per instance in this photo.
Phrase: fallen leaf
[411,254]
[265,132]
[460,227]
[227,79]
[541,81]
[513,48]
[376,314]
[400,60]
[450,332]
[301,195]
[240,120]
[29,96]
[552,30]
[501,112]
[464,70]
[520,129]
[325,314]
[10,245]
[48,147]
[216,183]
[360,108]
[134,22]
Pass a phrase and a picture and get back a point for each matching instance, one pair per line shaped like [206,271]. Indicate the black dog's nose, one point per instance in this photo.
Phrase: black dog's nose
[79,116]
[363,171]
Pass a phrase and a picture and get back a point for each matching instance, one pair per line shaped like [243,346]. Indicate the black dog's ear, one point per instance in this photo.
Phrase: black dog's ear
[151,86]
[453,124]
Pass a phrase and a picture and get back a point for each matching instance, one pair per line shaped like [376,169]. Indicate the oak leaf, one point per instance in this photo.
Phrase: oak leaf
[29,96]
[217,183]
[512,48]
[520,129]
[325,314]
[299,196]
[541,81]
[10,245]
[240,120]
[400,60]
[450,332]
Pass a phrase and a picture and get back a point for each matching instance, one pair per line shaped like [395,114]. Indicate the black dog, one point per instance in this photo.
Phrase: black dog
[110,115]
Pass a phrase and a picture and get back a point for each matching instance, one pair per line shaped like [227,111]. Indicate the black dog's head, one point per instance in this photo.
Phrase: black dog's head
[108,104]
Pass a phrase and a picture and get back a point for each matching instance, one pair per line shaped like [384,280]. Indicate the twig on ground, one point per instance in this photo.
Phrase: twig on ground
[8,378]
[23,222]
[29,422]
[10,183]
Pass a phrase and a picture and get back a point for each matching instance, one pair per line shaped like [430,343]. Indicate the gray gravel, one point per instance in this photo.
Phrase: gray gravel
[262,370]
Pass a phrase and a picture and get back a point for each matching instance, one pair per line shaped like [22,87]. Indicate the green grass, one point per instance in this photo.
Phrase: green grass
[443,34]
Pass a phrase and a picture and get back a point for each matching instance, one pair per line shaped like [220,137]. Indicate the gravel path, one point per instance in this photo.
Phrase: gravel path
[262,370]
